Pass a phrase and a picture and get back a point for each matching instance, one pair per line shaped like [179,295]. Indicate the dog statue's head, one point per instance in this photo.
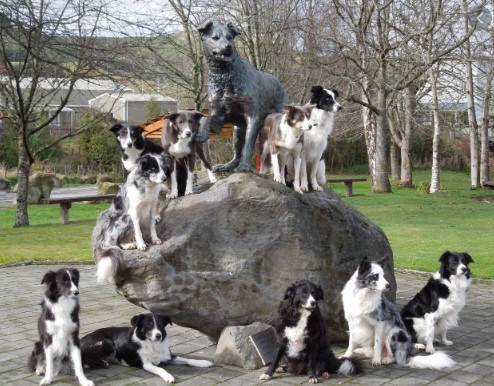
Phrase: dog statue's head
[217,41]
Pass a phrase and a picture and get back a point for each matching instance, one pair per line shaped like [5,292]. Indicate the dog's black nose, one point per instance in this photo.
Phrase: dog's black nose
[387,286]
[158,336]
[312,303]
[463,269]
[76,292]
[339,108]
[129,145]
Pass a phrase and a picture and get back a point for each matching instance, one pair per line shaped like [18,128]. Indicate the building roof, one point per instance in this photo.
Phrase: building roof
[134,97]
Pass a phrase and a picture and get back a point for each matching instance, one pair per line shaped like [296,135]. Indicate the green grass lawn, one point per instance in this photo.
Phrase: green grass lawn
[420,227]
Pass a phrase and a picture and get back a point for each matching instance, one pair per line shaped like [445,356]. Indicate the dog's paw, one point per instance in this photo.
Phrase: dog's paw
[419,346]
[376,362]
[298,190]
[172,195]
[86,382]
[168,378]
[313,380]
[189,193]
[203,363]
[388,361]
[430,349]
[280,370]
[317,188]
[326,375]
[45,381]
[157,242]
[141,247]
[157,218]
[447,342]
[277,179]
[265,377]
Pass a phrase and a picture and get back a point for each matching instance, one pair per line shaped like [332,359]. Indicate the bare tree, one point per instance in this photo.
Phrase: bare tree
[38,39]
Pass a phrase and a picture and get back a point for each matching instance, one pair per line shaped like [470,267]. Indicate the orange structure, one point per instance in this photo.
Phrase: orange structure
[152,128]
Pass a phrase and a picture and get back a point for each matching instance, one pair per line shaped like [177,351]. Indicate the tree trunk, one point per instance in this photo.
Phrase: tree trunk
[436,161]
[394,160]
[406,139]
[23,170]
[484,130]
[368,120]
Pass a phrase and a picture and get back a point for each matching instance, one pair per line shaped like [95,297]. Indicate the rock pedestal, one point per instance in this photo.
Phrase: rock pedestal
[230,252]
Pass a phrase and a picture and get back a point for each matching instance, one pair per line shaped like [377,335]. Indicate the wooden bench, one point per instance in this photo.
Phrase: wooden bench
[66,203]
[348,183]
[488,184]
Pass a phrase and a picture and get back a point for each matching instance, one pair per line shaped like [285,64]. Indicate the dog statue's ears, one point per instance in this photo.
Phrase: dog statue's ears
[205,27]
[383,259]
[233,29]
[49,277]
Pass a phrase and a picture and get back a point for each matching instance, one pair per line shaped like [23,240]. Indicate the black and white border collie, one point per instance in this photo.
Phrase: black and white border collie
[376,328]
[313,168]
[58,328]
[436,307]
[302,338]
[144,345]
[132,209]
[178,139]
[133,144]
[282,137]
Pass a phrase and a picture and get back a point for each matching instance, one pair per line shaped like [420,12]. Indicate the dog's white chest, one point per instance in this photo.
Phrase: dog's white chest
[296,336]
[289,137]
[154,352]
[62,327]
[181,148]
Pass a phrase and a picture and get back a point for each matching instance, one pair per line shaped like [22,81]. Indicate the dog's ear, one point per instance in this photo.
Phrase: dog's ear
[319,293]
[234,30]
[205,27]
[382,260]
[335,92]
[165,319]
[365,266]
[315,90]
[198,116]
[49,277]
[76,274]
[143,161]
[136,319]
[468,258]
[115,128]
[139,130]
[445,256]
[171,117]
[289,293]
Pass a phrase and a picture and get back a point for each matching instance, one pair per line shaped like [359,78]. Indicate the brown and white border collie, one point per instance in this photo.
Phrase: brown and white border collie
[281,137]
[178,139]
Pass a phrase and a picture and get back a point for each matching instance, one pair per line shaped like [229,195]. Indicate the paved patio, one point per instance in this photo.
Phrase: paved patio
[21,293]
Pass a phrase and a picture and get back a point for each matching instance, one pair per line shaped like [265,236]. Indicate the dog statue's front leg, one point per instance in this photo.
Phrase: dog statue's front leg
[165,375]
[253,126]
[238,144]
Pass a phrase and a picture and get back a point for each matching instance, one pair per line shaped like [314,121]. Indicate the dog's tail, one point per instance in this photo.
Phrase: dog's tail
[108,263]
[436,361]
[349,366]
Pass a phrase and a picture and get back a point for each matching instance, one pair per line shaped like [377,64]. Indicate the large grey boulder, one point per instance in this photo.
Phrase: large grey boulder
[230,252]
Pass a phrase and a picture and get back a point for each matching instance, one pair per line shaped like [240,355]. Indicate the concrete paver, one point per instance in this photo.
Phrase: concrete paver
[21,294]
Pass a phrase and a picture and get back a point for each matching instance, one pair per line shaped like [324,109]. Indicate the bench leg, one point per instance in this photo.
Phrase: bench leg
[349,189]
[64,212]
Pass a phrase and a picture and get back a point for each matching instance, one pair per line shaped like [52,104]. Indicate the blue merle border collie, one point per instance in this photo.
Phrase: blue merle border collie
[131,212]
[144,345]
[376,328]
[436,307]
[58,328]
[302,339]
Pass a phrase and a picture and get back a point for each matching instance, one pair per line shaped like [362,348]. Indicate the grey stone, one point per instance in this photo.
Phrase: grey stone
[4,184]
[230,252]
[235,348]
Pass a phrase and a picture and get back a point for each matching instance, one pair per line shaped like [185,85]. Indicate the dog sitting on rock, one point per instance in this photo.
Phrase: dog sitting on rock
[238,93]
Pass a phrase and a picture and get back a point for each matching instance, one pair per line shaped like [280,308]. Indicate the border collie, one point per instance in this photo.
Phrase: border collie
[313,168]
[436,307]
[58,328]
[131,209]
[375,324]
[133,144]
[302,338]
[144,345]
[282,136]
[178,139]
